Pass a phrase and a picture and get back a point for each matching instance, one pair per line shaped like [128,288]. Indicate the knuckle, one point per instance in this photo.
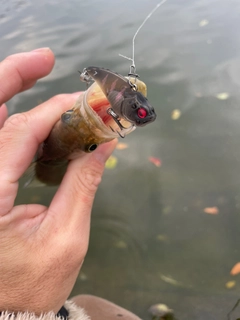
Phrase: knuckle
[12,124]
[16,120]
[88,178]
[58,98]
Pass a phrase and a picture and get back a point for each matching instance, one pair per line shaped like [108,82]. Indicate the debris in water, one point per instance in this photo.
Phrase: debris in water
[162,238]
[222,96]
[166,210]
[176,114]
[198,94]
[82,276]
[121,146]
[111,162]
[161,311]
[170,280]
[230,284]
[236,269]
[120,244]
[211,210]
[155,161]
[203,23]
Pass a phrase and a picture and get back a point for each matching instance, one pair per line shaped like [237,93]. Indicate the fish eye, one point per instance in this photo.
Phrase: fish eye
[92,147]
[142,113]
[66,116]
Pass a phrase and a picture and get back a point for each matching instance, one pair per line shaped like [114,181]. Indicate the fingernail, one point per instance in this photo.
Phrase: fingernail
[41,49]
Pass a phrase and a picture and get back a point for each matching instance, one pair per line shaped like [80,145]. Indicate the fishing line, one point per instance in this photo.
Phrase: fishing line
[133,66]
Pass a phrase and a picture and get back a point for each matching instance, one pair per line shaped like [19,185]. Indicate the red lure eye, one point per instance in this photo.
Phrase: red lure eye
[142,113]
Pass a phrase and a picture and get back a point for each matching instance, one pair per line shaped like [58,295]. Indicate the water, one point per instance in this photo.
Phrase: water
[151,241]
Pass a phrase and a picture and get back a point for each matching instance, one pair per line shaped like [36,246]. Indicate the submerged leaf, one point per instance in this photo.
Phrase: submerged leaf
[121,146]
[222,96]
[230,284]
[211,210]
[155,161]
[111,162]
[82,276]
[161,311]
[236,269]
[121,244]
[203,23]
[167,210]
[162,238]
[176,114]
[170,280]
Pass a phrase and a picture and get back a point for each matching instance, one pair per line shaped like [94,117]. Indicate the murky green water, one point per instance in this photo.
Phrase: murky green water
[151,241]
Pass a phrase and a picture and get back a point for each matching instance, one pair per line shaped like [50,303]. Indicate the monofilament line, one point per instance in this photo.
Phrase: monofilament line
[139,28]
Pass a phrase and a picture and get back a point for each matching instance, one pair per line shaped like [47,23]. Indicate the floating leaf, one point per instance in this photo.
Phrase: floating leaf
[203,23]
[222,96]
[236,269]
[82,276]
[230,284]
[155,161]
[176,114]
[111,162]
[211,210]
[35,198]
[198,94]
[169,280]
[162,238]
[167,210]
[121,146]
[161,311]
[120,244]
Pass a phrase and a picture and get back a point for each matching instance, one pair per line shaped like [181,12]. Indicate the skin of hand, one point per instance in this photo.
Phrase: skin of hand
[41,249]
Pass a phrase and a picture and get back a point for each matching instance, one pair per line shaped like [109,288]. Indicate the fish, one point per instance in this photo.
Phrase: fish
[113,106]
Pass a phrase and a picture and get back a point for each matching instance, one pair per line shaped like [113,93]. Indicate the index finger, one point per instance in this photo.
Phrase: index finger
[20,71]
[3,114]
[19,140]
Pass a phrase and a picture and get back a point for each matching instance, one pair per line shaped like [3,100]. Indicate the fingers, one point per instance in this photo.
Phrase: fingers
[19,72]
[19,140]
[3,114]
[71,206]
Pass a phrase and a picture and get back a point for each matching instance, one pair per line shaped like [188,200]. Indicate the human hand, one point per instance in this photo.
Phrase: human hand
[41,249]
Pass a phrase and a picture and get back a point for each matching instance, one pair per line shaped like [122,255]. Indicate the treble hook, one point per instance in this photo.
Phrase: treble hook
[116,118]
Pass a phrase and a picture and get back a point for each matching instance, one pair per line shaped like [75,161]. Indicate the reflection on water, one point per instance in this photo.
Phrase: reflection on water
[151,241]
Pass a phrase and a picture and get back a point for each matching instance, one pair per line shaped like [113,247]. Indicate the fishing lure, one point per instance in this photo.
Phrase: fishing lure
[112,106]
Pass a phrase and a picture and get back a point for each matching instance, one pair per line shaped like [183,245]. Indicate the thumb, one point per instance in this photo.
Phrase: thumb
[73,201]
[3,114]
